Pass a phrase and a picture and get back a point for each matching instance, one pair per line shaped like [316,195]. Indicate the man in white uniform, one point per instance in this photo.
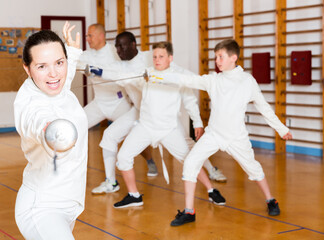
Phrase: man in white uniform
[110,102]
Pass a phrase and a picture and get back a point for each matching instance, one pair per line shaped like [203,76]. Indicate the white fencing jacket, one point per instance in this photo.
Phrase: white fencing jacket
[107,96]
[32,110]
[134,88]
[160,105]
[136,65]
[230,92]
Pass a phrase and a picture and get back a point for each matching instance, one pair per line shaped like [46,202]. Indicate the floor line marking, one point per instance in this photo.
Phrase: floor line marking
[99,229]
[7,234]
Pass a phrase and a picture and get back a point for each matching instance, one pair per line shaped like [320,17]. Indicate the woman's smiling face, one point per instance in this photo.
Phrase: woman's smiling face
[48,68]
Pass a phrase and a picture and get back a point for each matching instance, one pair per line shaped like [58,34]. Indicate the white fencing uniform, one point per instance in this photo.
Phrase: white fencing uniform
[117,131]
[110,100]
[123,125]
[230,92]
[49,202]
[123,122]
[158,122]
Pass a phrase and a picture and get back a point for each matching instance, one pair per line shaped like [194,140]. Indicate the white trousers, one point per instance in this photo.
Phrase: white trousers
[118,130]
[241,150]
[139,138]
[112,136]
[44,223]
[96,114]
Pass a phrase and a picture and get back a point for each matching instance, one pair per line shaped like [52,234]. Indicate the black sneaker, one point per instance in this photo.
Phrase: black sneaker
[129,201]
[273,207]
[216,197]
[182,218]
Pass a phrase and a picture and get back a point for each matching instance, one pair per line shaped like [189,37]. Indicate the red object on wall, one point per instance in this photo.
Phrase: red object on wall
[261,67]
[301,67]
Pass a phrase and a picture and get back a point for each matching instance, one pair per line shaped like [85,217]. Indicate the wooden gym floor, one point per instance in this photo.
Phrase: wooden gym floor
[297,182]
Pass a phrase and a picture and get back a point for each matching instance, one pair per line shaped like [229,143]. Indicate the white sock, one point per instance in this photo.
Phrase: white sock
[208,166]
[188,210]
[109,158]
[210,190]
[136,194]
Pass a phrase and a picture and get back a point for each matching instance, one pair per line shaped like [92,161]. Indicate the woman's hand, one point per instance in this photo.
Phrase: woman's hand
[67,29]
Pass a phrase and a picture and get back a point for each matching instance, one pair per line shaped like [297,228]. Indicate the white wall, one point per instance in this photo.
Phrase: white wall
[185,33]
[22,13]
[185,40]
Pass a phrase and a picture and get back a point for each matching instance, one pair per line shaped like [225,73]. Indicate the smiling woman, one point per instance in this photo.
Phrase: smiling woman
[48,202]
[48,68]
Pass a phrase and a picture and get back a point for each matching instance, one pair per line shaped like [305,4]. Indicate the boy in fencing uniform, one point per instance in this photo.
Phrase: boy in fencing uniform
[230,92]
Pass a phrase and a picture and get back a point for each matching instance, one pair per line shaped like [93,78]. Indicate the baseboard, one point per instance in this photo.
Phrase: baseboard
[318,152]
[9,129]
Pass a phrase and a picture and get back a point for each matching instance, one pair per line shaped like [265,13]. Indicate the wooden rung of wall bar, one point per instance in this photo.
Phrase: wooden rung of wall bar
[258,35]
[243,47]
[257,13]
[132,28]
[303,105]
[156,25]
[111,31]
[252,113]
[257,124]
[303,19]
[257,24]
[250,58]
[151,43]
[250,69]
[301,44]
[313,81]
[288,116]
[301,93]
[219,28]
[156,34]
[259,46]
[302,7]
[302,32]
[306,129]
[313,56]
[292,128]
[313,68]
[218,38]
[110,39]
[217,18]
[268,91]
[303,117]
